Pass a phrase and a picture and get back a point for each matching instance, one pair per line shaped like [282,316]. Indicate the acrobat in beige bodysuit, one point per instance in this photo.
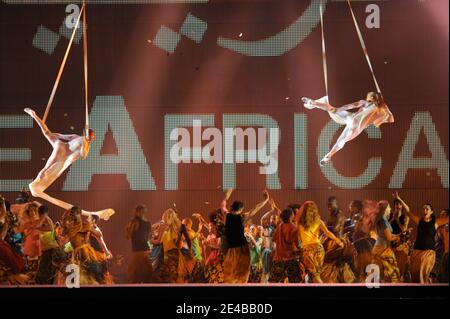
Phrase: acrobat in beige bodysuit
[66,150]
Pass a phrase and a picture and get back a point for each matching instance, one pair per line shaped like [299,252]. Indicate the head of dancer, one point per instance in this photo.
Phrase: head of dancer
[75,214]
[309,214]
[256,231]
[275,220]
[71,216]
[237,207]
[172,220]
[332,204]
[398,207]
[427,210]
[24,197]
[94,219]
[355,207]
[43,211]
[383,210]
[287,216]
[215,217]
[140,211]
[188,222]
[443,213]
[374,97]
[294,207]
[90,135]
[31,212]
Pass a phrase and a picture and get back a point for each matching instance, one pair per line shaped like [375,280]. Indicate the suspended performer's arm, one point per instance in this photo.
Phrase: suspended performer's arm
[384,117]
[84,150]
[67,137]
[352,106]
[390,116]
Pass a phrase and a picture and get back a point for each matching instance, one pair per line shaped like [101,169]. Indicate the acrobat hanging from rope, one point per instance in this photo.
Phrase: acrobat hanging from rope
[66,148]
[371,111]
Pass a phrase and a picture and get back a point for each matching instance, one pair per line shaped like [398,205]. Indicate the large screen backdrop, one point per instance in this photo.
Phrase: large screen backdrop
[162,76]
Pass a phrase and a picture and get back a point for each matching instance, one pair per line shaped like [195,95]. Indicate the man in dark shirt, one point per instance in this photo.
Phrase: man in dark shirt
[139,231]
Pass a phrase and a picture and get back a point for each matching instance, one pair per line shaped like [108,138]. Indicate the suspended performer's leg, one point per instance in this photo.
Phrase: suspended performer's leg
[103,214]
[321,103]
[51,137]
[347,135]
[57,163]
[340,116]
[48,175]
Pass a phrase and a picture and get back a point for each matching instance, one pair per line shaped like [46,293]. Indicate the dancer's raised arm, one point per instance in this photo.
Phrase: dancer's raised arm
[274,210]
[258,207]
[223,204]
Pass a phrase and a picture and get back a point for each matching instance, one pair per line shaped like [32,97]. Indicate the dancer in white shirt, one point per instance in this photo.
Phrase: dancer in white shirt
[371,111]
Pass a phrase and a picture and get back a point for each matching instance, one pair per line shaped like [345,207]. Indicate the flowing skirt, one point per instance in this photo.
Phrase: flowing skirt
[140,267]
[237,265]
[169,271]
[422,263]
[283,269]
[385,259]
[214,268]
[401,255]
[312,259]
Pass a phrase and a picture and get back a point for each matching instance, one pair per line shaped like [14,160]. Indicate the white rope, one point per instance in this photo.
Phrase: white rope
[61,69]
[324,52]
[363,45]
[85,57]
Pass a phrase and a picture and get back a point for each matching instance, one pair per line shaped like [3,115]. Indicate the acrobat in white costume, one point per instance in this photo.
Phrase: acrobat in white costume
[66,150]
[372,111]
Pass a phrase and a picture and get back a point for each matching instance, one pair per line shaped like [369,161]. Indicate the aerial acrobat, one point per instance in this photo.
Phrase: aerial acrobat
[371,111]
[66,148]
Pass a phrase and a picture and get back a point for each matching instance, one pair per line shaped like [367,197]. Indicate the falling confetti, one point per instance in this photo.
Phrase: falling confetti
[240,35]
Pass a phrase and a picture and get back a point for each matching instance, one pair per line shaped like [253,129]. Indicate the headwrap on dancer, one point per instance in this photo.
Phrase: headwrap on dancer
[371,111]
[66,150]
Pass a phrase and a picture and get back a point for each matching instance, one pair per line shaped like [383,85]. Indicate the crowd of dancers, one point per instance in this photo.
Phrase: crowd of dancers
[231,244]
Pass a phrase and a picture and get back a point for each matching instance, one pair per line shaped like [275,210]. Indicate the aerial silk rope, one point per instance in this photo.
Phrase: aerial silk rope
[363,45]
[324,52]
[61,69]
[85,56]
